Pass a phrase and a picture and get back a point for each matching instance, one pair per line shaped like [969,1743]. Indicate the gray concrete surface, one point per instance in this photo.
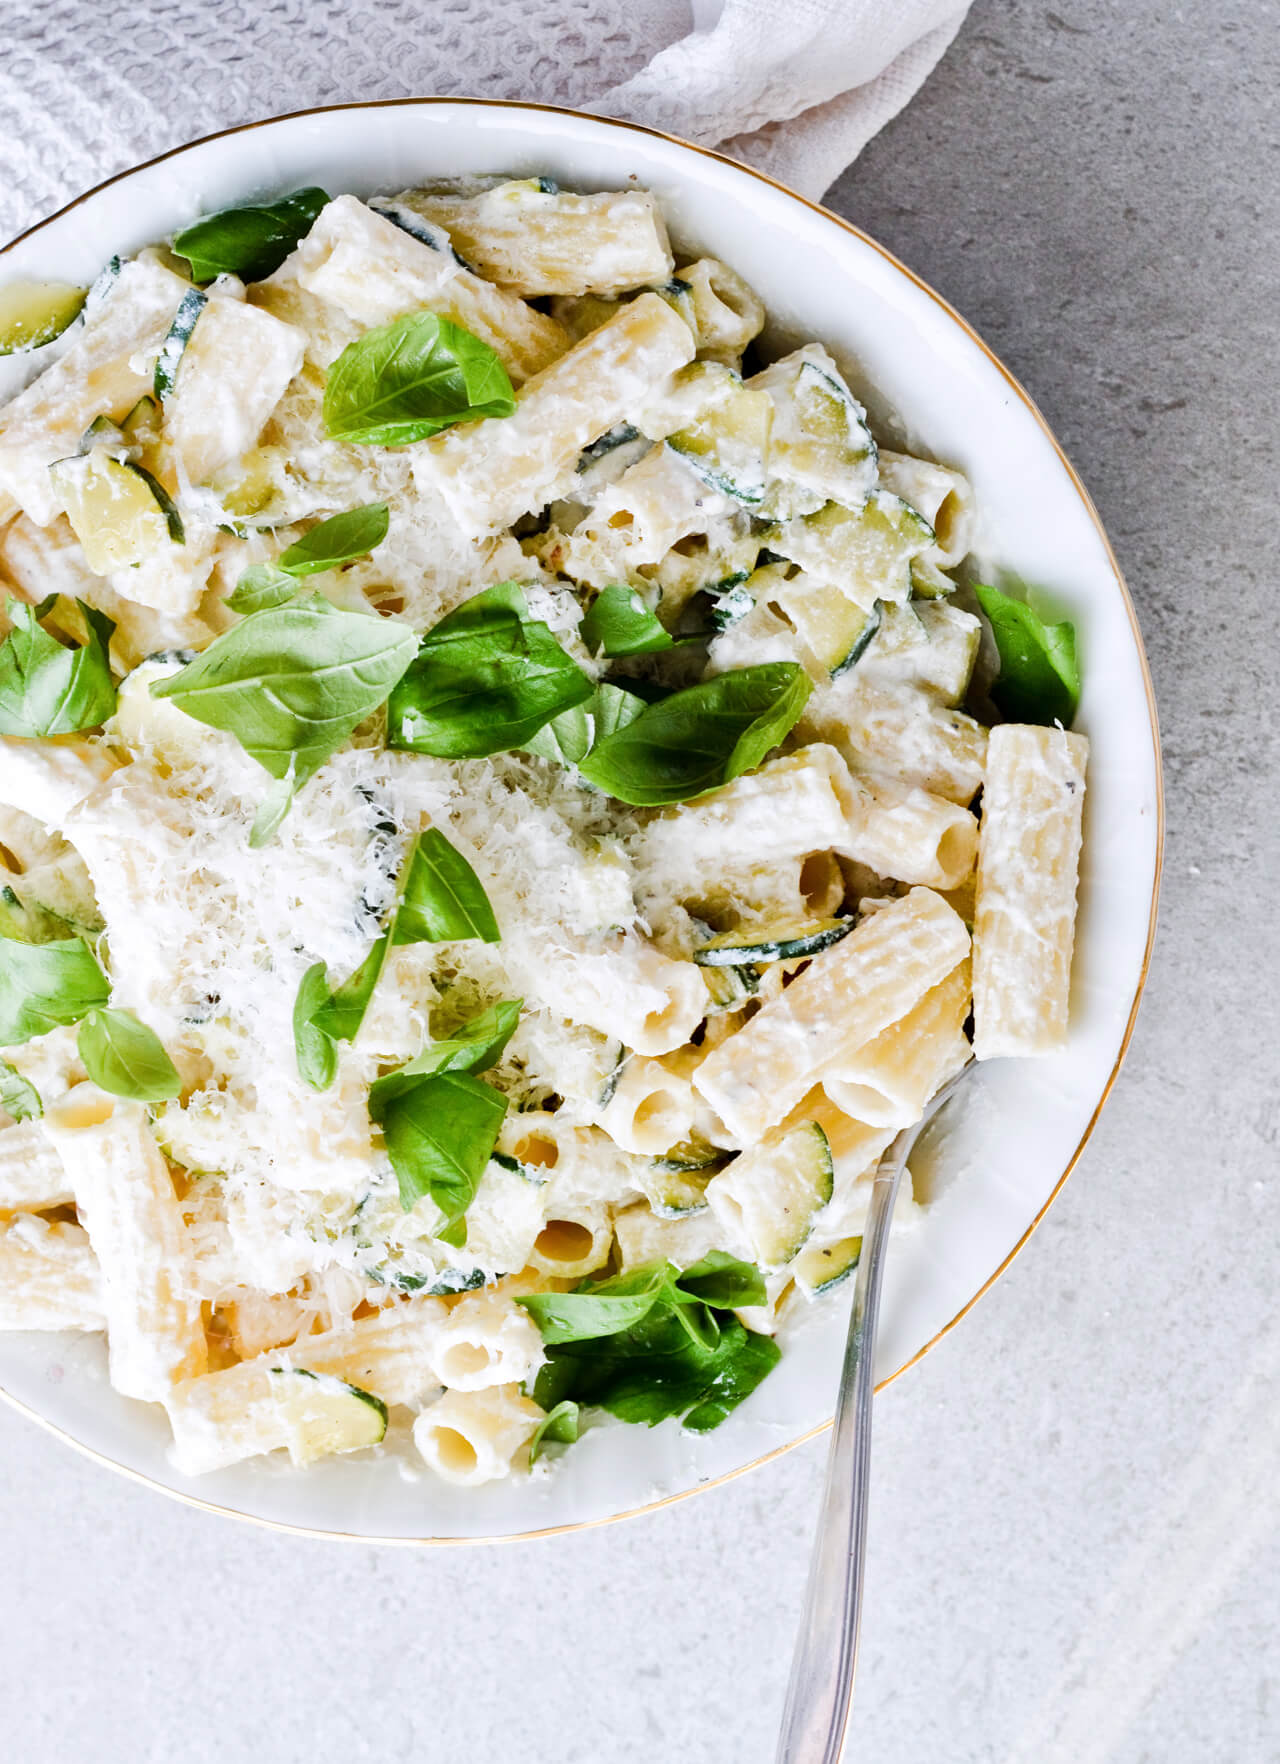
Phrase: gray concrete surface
[1075,1555]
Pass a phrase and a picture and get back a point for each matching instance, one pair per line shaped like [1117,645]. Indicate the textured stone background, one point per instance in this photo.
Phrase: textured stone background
[1075,1554]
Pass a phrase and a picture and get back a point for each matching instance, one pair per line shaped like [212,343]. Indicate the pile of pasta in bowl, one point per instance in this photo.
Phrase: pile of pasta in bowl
[508,811]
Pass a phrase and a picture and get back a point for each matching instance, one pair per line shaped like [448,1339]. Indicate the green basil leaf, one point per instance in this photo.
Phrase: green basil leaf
[123,1056]
[560,1426]
[322,1017]
[411,378]
[619,623]
[486,678]
[261,586]
[600,1308]
[1039,680]
[273,808]
[18,1096]
[292,682]
[442,900]
[722,1280]
[339,540]
[46,689]
[745,1360]
[475,1047]
[439,1137]
[342,1013]
[316,1053]
[568,738]
[249,242]
[44,985]
[698,739]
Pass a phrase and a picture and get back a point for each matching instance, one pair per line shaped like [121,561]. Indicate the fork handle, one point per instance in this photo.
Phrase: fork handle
[817,1706]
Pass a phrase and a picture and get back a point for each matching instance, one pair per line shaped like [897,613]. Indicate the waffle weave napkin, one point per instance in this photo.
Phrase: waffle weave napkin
[796,87]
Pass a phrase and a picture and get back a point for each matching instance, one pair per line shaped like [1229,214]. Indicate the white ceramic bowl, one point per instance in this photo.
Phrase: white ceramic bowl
[931,384]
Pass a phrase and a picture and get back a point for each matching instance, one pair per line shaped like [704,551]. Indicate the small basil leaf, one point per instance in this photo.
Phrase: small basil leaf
[559,1426]
[123,1056]
[261,586]
[46,689]
[339,540]
[411,378]
[475,1047]
[722,1280]
[619,623]
[292,682]
[342,1013]
[439,1137]
[700,738]
[566,738]
[442,900]
[600,1308]
[486,678]
[249,242]
[44,985]
[317,1055]
[18,1096]
[1039,680]
[273,808]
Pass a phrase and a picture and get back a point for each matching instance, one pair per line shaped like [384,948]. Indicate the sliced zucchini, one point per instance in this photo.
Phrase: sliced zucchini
[324,1414]
[531,1173]
[142,416]
[613,1077]
[835,629]
[822,448]
[728,447]
[818,1270]
[772,1194]
[448,1280]
[606,443]
[173,348]
[730,987]
[732,601]
[771,940]
[34,313]
[862,642]
[117,510]
[103,431]
[416,225]
[103,283]
[867,552]
[675,1193]
[251,489]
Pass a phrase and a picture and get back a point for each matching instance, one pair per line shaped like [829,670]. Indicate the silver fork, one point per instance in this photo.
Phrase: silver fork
[816,1711]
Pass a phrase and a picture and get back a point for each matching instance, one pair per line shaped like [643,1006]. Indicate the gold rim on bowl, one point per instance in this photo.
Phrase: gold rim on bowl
[1021,393]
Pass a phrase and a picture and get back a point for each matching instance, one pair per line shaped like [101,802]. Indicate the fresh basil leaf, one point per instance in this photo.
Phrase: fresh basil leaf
[743,1361]
[566,739]
[607,1308]
[619,623]
[123,1056]
[249,242]
[273,808]
[44,985]
[46,689]
[695,740]
[722,1280]
[411,378]
[317,1053]
[322,1017]
[18,1096]
[261,586]
[475,1047]
[339,540]
[292,682]
[1039,680]
[439,1136]
[442,900]
[559,1426]
[486,678]
[342,1013]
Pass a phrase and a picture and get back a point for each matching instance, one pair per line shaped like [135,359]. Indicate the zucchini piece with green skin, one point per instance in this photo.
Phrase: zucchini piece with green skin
[534,1174]
[772,940]
[865,552]
[674,1191]
[34,313]
[823,449]
[728,447]
[862,642]
[173,348]
[324,1414]
[772,1195]
[729,987]
[818,1270]
[117,510]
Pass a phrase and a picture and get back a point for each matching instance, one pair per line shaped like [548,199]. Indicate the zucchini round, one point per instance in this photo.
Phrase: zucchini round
[173,348]
[324,1414]
[818,1270]
[34,313]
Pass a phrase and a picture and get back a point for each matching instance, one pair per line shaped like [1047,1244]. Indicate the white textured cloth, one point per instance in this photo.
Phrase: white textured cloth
[796,87]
